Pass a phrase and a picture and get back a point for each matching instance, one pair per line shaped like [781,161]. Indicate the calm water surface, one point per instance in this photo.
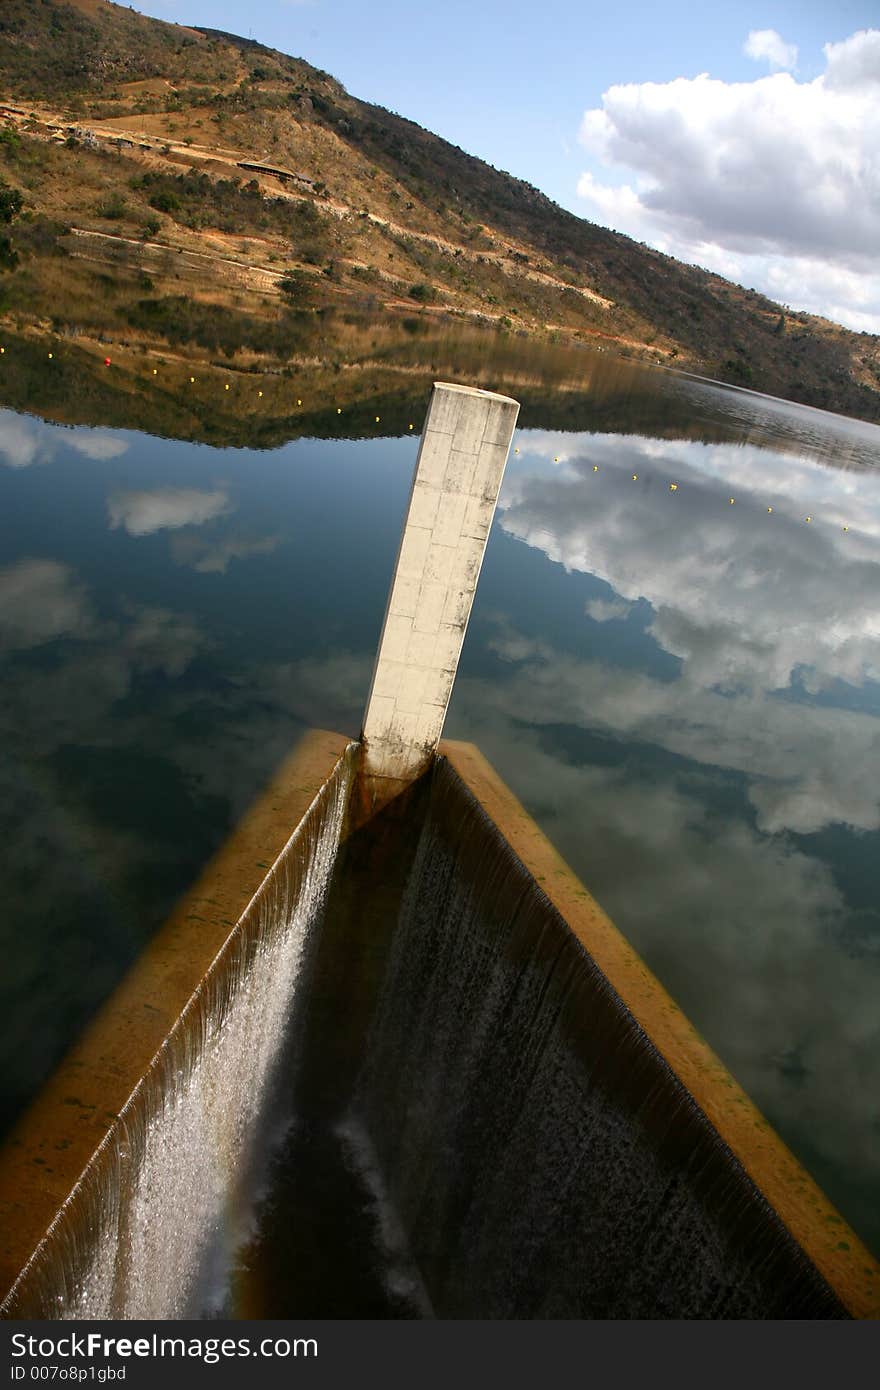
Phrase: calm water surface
[674,660]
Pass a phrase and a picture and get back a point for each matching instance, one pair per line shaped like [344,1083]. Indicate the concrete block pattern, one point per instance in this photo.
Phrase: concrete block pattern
[463,452]
[406,596]
[468,432]
[413,552]
[450,516]
[490,462]
[447,646]
[443,412]
[477,518]
[424,505]
[433,469]
[395,639]
[497,430]
[459,472]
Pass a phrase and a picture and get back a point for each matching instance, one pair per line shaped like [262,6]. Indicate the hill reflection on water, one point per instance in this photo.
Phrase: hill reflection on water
[674,661]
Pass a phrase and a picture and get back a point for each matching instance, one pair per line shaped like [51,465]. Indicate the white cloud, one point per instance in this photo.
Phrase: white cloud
[165,509]
[765,45]
[751,602]
[41,600]
[25,441]
[855,62]
[97,444]
[22,441]
[214,557]
[774,182]
[607,610]
[157,639]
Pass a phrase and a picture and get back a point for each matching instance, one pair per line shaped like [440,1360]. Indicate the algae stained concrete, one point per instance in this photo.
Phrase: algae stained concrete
[755,1150]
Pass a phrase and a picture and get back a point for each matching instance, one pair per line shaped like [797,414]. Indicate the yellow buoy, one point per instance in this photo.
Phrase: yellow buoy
[516,451]
[259,393]
[673,487]
[731,500]
[769,509]
[377,419]
[299,402]
[635,477]
[595,468]
[808,518]
[226,387]
[339,410]
[192,379]
[50,357]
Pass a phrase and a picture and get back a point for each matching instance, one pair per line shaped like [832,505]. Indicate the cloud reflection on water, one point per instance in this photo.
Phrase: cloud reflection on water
[25,441]
[693,802]
[743,928]
[165,509]
[743,596]
[209,555]
[684,784]
[753,603]
[41,600]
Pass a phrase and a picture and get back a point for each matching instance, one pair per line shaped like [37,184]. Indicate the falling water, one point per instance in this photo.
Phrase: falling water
[542,1158]
[521,1147]
[149,1230]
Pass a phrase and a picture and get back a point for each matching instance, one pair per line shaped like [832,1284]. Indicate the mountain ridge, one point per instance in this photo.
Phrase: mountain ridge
[176,141]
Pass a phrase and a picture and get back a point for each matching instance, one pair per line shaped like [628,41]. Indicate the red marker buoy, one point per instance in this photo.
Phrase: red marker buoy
[106,361]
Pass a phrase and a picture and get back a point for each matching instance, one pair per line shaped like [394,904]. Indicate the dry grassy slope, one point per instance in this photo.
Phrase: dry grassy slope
[399,206]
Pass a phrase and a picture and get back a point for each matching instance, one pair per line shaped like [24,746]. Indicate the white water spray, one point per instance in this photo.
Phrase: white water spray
[150,1229]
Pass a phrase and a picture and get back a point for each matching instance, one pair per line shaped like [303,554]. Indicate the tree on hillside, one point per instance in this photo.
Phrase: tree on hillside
[296,288]
[10,207]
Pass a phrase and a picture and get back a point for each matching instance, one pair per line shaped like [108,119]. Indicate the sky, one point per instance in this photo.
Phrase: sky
[743,137]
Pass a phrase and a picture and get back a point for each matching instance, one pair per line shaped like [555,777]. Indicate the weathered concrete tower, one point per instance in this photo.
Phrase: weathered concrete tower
[458,474]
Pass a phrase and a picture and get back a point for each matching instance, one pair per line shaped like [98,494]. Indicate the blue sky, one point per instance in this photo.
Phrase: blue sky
[512,83]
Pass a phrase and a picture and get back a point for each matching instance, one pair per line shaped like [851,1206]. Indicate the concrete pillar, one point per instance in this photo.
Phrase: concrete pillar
[458,474]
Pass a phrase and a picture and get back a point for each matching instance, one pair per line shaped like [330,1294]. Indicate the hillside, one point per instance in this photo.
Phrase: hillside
[187,189]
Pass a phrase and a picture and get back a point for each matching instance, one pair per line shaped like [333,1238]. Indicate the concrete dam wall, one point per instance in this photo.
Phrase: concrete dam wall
[410,984]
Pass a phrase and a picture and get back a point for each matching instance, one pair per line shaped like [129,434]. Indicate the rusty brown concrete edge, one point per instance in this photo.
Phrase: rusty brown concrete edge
[832,1246]
[52,1147]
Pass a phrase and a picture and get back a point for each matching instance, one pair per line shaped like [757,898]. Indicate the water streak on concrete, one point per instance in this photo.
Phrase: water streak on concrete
[118,1188]
[556,1139]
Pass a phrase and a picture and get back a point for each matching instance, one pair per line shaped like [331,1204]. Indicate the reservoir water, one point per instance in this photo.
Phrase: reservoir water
[674,661]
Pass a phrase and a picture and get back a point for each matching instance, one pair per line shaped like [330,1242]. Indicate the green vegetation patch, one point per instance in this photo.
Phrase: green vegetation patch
[197,201]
